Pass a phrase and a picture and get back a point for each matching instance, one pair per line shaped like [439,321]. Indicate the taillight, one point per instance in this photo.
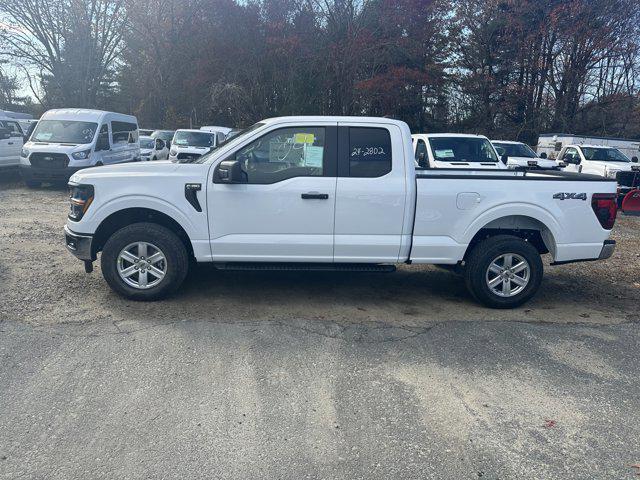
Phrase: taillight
[605,207]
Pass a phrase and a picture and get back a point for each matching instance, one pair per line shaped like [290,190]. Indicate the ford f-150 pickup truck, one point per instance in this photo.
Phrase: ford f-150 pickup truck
[333,193]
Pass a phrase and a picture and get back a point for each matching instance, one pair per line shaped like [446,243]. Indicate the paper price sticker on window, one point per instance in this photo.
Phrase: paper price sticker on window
[305,138]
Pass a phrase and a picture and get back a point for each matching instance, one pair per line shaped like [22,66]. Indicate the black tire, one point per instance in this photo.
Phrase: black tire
[174,251]
[33,183]
[482,256]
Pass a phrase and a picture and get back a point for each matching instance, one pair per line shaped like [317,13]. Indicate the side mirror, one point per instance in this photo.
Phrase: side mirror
[229,171]
[5,134]
[504,158]
[543,155]
[634,159]
[562,164]
[422,160]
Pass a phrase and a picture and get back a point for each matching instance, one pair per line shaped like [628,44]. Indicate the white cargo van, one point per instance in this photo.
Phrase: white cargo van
[11,137]
[67,140]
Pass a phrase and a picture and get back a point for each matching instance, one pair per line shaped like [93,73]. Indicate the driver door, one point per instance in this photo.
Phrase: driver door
[284,209]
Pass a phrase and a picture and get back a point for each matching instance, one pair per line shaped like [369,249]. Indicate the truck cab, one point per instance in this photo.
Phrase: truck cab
[520,156]
[455,151]
[603,161]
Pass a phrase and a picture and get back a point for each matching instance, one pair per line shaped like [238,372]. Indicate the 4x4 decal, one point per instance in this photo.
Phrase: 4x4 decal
[570,196]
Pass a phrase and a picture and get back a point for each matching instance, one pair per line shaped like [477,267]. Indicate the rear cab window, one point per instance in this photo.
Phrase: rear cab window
[369,152]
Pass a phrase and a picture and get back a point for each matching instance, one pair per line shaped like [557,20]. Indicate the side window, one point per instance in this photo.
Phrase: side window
[124,132]
[570,154]
[284,153]
[421,154]
[103,138]
[159,144]
[14,128]
[369,152]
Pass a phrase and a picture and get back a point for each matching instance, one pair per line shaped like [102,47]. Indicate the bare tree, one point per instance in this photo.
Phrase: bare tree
[72,45]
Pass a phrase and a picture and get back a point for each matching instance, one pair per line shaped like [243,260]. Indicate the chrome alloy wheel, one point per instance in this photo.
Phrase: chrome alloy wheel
[508,275]
[142,265]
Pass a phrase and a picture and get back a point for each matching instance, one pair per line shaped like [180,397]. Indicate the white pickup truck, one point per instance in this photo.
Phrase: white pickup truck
[333,193]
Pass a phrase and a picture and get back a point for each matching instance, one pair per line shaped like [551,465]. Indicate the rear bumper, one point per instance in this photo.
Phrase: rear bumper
[30,173]
[79,244]
[608,247]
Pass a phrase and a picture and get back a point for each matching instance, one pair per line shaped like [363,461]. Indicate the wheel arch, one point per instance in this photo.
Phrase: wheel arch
[128,216]
[529,228]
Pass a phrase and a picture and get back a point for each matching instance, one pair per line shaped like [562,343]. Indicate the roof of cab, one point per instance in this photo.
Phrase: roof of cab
[330,118]
[508,142]
[83,114]
[590,145]
[458,135]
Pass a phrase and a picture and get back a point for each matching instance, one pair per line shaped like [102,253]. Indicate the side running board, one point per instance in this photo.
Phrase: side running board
[317,267]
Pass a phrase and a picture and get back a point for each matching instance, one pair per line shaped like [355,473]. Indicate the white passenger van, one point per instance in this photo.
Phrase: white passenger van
[11,137]
[455,151]
[68,140]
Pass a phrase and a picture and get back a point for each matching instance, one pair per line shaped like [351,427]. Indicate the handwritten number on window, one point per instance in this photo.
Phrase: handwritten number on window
[366,151]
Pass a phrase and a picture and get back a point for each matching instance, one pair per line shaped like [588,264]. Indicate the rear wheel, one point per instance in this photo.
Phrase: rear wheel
[503,271]
[144,261]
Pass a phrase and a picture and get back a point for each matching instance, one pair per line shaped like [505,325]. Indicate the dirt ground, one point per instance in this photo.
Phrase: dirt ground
[42,284]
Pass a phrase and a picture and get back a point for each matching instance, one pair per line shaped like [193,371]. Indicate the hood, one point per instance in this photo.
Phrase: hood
[620,166]
[56,147]
[125,170]
[523,161]
[469,165]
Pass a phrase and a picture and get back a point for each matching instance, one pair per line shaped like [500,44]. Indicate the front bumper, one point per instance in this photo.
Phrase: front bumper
[79,244]
[30,173]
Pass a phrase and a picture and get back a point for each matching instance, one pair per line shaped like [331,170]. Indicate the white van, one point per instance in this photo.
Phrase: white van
[11,138]
[455,151]
[188,145]
[67,140]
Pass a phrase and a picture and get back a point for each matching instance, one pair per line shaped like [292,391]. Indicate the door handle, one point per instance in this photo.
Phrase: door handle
[315,196]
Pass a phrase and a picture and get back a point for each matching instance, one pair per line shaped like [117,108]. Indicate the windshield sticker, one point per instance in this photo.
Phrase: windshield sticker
[448,153]
[313,156]
[304,138]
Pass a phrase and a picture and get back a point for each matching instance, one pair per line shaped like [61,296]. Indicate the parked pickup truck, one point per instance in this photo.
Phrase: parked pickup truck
[337,193]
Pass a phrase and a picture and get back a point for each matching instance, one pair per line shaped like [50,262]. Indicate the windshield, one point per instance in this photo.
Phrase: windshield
[229,141]
[462,149]
[148,143]
[64,131]
[165,135]
[515,150]
[604,154]
[193,139]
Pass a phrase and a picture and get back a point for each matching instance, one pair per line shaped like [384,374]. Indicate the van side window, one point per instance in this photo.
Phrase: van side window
[13,127]
[284,153]
[124,132]
[103,138]
[369,152]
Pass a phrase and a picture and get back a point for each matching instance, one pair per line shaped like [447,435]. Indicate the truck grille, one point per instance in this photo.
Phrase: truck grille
[49,161]
[188,156]
[628,179]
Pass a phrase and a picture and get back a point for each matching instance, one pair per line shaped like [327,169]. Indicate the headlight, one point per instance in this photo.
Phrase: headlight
[173,152]
[24,153]
[612,173]
[80,197]
[81,155]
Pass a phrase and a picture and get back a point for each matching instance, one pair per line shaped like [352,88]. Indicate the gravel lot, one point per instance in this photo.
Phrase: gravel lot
[310,375]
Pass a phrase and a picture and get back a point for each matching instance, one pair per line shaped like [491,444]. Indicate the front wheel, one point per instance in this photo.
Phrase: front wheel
[144,261]
[503,271]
